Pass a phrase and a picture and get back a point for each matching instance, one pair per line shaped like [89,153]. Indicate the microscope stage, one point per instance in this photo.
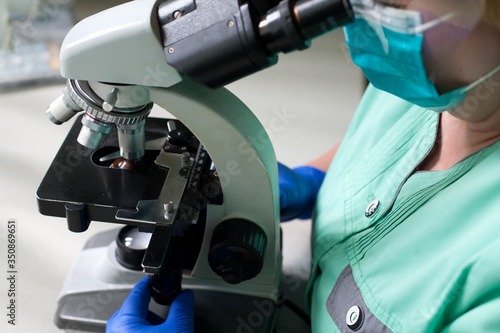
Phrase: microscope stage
[78,182]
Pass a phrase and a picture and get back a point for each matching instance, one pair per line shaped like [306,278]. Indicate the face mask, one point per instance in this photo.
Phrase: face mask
[387,44]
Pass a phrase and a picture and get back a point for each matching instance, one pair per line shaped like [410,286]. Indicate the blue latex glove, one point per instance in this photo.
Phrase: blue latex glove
[298,191]
[134,317]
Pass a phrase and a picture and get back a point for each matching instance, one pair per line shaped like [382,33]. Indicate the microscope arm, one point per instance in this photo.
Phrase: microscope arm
[243,156]
[233,137]
[246,165]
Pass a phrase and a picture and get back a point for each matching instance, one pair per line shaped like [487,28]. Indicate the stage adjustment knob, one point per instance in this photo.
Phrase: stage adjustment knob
[237,250]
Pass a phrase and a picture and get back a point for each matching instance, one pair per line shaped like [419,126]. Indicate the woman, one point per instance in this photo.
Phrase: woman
[406,227]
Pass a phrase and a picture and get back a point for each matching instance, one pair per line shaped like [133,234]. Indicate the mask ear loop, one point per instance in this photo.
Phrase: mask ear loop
[367,10]
[480,80]
[377,16]
[431,24]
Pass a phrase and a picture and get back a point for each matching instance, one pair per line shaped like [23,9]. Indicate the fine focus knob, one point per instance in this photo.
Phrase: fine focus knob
[237,250]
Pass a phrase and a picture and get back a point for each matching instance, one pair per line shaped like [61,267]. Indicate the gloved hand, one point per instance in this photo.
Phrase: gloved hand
[134,317]
[298,191]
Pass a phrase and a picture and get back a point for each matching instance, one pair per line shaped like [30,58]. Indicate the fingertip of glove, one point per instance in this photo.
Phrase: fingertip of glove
[138,299]
[144,280]
[187,296]
[142,286]
[182,307]
[184,301]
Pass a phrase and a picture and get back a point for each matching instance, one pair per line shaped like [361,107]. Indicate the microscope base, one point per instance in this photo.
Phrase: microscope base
[215,311]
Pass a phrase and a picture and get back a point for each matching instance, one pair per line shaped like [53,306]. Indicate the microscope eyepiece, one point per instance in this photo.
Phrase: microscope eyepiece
[242,38]
[292,24]
[318,17]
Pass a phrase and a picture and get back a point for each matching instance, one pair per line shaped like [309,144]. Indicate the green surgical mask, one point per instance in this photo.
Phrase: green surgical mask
[387,44]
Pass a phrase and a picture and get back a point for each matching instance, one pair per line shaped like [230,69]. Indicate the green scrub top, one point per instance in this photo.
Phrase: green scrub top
[397,250]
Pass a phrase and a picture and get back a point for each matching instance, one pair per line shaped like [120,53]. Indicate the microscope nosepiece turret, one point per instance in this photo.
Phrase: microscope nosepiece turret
[105,105]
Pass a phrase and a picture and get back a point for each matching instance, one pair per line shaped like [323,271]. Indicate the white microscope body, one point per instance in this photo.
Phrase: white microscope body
[118,64]
[122,46]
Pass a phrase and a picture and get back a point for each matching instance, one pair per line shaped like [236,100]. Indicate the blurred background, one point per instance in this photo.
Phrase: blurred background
[305,102]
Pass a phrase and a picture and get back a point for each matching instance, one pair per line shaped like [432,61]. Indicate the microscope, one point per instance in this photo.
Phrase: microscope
[197,194]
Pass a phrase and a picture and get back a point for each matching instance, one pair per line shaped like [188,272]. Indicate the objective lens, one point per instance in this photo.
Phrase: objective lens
[93,132]
[131,140]
[62,109]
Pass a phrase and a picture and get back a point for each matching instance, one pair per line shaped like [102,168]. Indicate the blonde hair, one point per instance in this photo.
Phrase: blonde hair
[491,12]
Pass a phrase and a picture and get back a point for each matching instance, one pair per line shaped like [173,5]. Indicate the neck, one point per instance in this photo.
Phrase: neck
[462,138]
[468,128]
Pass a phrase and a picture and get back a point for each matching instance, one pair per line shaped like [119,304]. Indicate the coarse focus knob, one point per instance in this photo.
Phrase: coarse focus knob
[237,250]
